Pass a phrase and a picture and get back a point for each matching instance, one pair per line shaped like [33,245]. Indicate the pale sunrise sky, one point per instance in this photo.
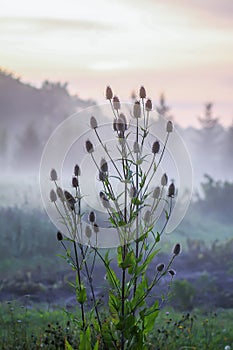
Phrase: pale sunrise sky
[183,48]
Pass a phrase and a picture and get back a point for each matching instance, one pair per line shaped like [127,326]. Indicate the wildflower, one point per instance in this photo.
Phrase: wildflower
[156,192]
[169,126]
[137,110]
[104,165]
[136,147]
[53,196]
[177,249]
[89,146]
[93,123]
[88,232]
[116,103]
[60,194]
[109,93]
[171,190]
[75,182]
[142,92]
[155,147]
[77,171]
[172,272]
[70,199]
[92,217]
[59,236]
[160,267]
[53,175]
[164,180]
[148,105]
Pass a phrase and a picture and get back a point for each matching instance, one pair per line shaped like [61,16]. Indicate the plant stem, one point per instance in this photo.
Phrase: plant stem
[79,281]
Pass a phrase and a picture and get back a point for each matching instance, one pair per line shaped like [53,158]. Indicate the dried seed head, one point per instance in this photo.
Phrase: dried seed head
[89,146]
[142,92]
[137,110]
[70,199]
[160,267]
[156,192]
[96,228]
[147,217]
[171,190]
[102,176]
[116,103]
[102,195]
[148,105]
[75,182]
[104,200]
[115,125]
[123,118]
[169,126]
[77,171]
[53,196]
[133,192]
[155,147]
[136,147]
[104,165]
[53,175]
[120,125]
[60,194]
[59,236]
[164,180]
[88,232]
[109,93]
[92,216]
[177,249]
[172,272]
[93,123]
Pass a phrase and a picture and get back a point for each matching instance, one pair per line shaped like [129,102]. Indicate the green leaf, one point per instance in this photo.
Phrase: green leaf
[85,339]
[129,260]
[81,294]
[68,346]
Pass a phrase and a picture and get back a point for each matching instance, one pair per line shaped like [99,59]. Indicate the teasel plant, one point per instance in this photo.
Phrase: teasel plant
[132,210]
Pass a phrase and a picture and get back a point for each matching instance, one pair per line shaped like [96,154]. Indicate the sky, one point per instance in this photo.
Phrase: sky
[182,48]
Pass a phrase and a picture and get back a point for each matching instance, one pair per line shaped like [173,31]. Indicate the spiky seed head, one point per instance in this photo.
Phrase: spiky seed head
[60,194]
[93,123]
[155,147]
[136,147]
[147,216]
[102,195]
[88,232]
[142,92]
[171,190]
[89,146]
[123,118]
[109,93]
[59,236]
[120,125]
[75,182]
[169,126]
[177,249]
[164,180]
[172,272]
[160,267]
[116,103]
[77,170]
[53,175]
[102,176]
[137,110]
[96,228]
[70,199]
[156,192]
[104,165]
[92,216]
[53,196]
[148,105]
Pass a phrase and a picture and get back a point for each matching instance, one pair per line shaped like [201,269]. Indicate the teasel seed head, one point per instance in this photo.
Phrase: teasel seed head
[123,118]
[53,196]
[92,217]
[53,175]
[116,103]
[156,192]
[104,165]
[77,170]
[148,105]
[59,236]
[160,267]
[88,232]
[137,110]
[93,123]
[136,147]
[120,125]
[177,249]
[60,194]
[142,92]
[147,217]
[89,146]
[104,200]
[169,126]
[155,147]
[102,176]
[171,190]
[75,182]
[109,93]
[172,272]
[96,228]
[164,180]
[102,195]
[70,199]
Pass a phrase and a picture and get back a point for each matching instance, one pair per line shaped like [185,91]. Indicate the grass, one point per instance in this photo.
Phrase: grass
[42,327]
